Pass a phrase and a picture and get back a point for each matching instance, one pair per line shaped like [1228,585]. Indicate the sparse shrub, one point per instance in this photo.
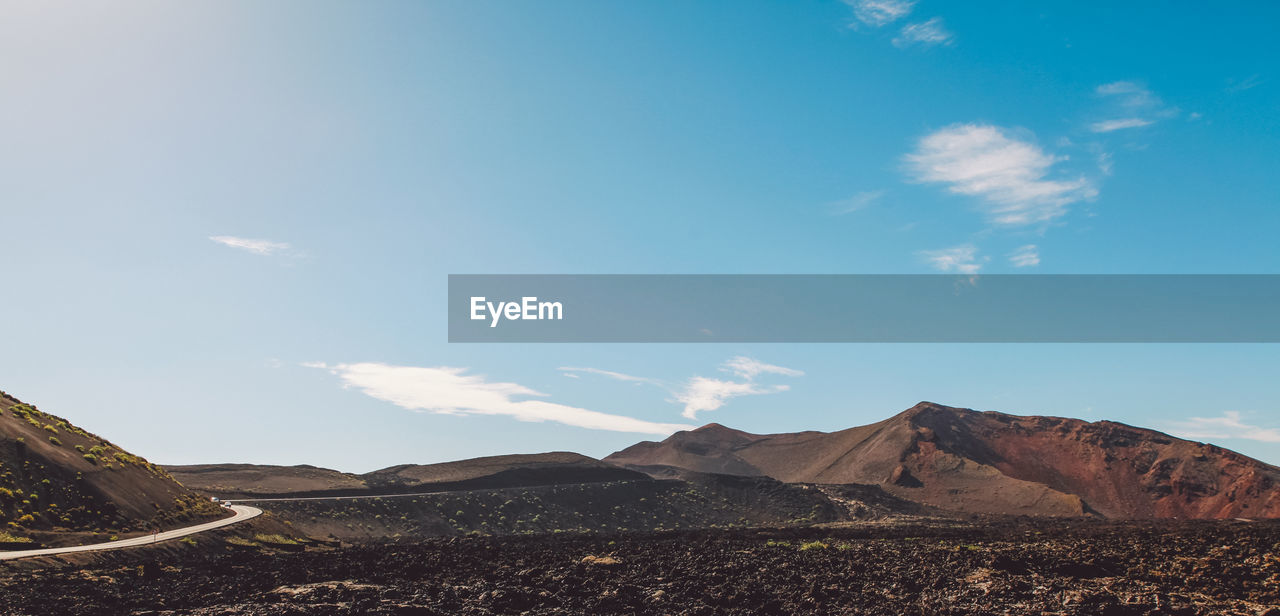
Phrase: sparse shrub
[55,441]
[274,539]
[49,428]
[8,537]
[813,545]
[91,458]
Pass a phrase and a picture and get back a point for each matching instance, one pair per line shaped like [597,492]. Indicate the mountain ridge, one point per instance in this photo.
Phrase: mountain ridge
[991,462]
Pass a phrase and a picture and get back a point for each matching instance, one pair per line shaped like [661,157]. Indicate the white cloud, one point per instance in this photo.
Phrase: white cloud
[1009,175]
[704,394]
[748,368]
[961,259]
[1025,256]
[451,391]
[857,202]
[877,13]
[1129,93]
[1107,126]
[1105,162]
[1248,83]
[927,33]
[1229,426]
[1133,106]
[257,247]
[570,370]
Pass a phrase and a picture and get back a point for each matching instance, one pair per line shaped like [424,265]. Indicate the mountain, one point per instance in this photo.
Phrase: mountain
[252,480]
[987,462]
[54,475]
[263,479]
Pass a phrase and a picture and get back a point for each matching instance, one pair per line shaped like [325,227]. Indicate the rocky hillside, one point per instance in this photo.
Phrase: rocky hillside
[56,476]
[963,460]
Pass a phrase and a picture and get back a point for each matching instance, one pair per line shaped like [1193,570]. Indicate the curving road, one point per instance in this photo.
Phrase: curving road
[242,513]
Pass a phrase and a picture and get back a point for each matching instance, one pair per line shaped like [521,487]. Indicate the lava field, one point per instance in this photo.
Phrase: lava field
[986,567]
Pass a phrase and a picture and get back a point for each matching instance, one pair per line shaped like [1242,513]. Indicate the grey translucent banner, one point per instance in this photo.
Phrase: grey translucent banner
[864,308]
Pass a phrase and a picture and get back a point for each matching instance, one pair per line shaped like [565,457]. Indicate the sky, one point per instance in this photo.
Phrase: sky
[228,226]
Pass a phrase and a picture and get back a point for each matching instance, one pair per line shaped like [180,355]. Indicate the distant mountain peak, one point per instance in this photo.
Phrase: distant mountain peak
[989,462]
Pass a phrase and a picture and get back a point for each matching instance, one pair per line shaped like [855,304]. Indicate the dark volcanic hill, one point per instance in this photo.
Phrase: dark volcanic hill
[252,480]
[54,475]
[263,479]
[986,462]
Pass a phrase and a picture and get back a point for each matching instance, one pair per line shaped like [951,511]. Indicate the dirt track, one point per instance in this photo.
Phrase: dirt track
[1046,567]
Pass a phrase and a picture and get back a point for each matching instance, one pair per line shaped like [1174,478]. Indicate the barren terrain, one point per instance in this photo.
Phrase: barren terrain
[995,566]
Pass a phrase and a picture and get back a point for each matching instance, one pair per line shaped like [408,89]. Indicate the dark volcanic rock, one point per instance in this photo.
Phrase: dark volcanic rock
[1039,567]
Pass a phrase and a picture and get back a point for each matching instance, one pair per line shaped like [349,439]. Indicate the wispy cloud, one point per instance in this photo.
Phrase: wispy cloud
[1129,93]
[451,391]
[704,394]
[877,13]
[748,368]
[1008,175]
[1230,425]
[961,259]
[1131,105]
[926,33]
[1248,83]
[257,247]
[700,393]
[1107,126]
[571,371]
[857,202]
[1025,256]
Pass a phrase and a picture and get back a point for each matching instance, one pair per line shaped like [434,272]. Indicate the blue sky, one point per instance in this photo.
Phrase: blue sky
[228,225]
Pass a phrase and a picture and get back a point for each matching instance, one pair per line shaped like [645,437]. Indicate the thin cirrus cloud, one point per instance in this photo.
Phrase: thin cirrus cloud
[962,259]
[748,368]
[700,393]
[1230,425]
[1107,126]
[926,33]
[880,13]
[451,391]
[265,248]
[1009,176]
[1130,105]
[860,201]
[1025,256]
[877,13]
[572,372]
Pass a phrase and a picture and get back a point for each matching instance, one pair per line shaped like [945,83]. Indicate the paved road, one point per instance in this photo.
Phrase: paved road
[242,513]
